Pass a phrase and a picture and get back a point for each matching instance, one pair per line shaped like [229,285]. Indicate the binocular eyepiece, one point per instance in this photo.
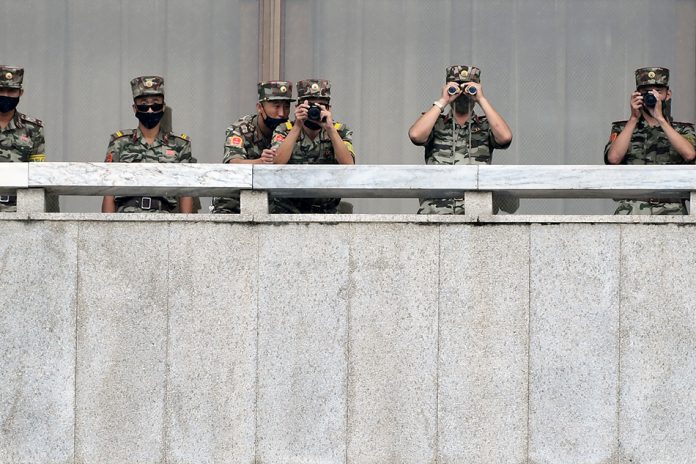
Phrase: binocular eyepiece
[649,100]
[455,89]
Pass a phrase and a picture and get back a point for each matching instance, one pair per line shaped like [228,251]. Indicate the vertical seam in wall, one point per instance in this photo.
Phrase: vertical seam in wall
[437,360]
[77,309]
[618,350]
[349,294]
[529,338]
[257,363]
[165,425]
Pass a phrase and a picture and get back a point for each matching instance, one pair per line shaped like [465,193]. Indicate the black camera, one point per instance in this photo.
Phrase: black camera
[314,113]
[649,100]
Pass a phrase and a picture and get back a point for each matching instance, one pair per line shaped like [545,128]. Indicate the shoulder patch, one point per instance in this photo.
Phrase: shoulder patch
[30,120]
[288,125]
[183,137]
[123,133]
[338,125]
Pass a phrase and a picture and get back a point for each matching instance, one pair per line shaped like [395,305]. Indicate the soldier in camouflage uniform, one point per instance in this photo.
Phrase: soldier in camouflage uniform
[21,137]
[460,136]
[148,144]
[248,140]
[312,142]
[650,136]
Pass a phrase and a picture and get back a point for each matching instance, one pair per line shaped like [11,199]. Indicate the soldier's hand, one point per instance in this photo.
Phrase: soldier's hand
[479,91]
[446,98]
[656,111]
[326,118]
[301,113]
[636,104]
[268,155]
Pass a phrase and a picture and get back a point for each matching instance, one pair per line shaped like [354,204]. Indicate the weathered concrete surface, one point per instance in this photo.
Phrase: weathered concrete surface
[302,343]
[392,345]
[37,341]
[211,381]
[658,344]
[573,351]
[122,329]
[484,306]
[209,339]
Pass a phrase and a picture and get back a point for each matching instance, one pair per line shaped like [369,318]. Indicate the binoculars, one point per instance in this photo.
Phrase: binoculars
[454,89]
[649,100]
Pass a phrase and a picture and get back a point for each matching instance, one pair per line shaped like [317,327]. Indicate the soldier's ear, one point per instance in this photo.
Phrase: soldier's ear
[21,92]
[669,94]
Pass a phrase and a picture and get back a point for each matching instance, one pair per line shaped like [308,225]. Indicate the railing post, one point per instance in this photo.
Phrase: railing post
[253,202]
[31,200]
[692,204]
[478,203]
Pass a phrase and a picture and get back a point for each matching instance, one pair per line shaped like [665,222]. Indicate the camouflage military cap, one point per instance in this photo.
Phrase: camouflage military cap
[461,73]
[147,85]
[11,77]
[314,88]
[275,90]
[652,76]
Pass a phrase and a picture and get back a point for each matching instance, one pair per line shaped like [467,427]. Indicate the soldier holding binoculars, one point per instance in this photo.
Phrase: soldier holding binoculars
[650,136]
[459,137]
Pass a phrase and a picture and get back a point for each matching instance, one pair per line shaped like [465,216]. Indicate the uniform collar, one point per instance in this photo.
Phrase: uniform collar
[161,138]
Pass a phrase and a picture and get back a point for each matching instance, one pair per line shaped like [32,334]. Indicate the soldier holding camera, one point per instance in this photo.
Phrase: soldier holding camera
[650,136]
[314,138]
[459,137]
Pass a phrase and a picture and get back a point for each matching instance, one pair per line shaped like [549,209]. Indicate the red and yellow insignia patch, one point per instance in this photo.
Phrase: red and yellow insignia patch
[109,158]
[613,137]
[278,138]
[235,141]
[170,152]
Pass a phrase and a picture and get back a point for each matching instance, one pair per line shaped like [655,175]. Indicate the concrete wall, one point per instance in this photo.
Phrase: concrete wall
[346,342]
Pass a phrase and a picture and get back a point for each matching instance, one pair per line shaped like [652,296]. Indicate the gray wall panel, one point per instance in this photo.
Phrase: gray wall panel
[302,345]
[573,343]
[121,339]
[392,377]
[658,344]
[38,284]
[211,384]
[484,306]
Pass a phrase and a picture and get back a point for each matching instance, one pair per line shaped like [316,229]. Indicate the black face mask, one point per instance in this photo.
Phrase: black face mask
[7,104]
[272,123]
[312,125]
[149,120]
[463,104]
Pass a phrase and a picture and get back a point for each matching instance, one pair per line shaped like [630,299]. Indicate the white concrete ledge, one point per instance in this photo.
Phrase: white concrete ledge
[13,176]
[386,181]
[139,179]
[589,181]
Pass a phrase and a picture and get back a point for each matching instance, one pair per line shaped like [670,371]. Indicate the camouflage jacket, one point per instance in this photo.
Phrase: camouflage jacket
[649,145]
[22,140]
[447,134]
[129,146]
[243,141]
[448,143]
[308,151]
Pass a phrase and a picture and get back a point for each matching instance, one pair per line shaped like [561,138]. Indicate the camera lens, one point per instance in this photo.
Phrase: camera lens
[649,100]
[314,113]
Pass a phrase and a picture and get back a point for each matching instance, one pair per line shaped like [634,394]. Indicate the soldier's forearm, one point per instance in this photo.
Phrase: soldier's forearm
[500,129]
[619,147]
